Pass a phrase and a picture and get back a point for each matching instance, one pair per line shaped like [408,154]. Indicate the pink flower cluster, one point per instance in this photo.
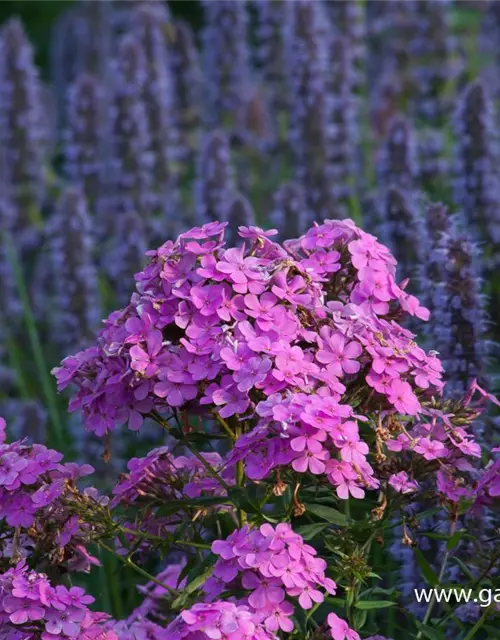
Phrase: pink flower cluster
[161,476]
[270,564]
[286,337]
[33,488]
[217,621]
[31,608]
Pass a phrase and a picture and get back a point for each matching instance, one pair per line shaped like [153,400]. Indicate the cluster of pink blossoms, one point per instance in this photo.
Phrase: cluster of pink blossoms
[271,564]
[33,487]
[161,476]
[31,609]
[217,621]
[300,341]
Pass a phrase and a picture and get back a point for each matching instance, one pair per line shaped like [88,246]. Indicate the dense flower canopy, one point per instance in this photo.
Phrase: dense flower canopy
[300,344]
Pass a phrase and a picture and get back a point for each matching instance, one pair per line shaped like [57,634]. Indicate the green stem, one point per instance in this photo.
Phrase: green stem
[147,536]
[15,362]
[129,562]
[164,424]
[477,626]
[224,425]
[444,564]
[240,480]
[111,584]
[43,370]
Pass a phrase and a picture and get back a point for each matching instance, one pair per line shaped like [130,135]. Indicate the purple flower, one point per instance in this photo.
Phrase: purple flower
[144,361]
[252,373]
[401,483]
[22,610]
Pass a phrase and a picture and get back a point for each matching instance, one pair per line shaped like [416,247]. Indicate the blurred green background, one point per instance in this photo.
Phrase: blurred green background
[38,17]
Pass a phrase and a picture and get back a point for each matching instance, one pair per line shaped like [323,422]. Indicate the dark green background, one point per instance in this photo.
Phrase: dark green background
[39,15]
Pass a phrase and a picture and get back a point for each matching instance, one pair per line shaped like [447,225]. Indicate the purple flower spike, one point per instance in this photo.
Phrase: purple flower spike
[344,121]
[310,116]
[431,48]
[402,229]
[225,59]
[459,312]
[273,20]
[73,274]
[84,143]
[401,224]
[215,187]
[21,132]
[289,215]
[240,214]
[131,197]
[397,162]
[187,88]
[477,187]
[150,24]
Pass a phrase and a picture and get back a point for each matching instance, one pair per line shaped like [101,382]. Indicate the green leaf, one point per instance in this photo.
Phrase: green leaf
[329,514]
[375,591]
[367,605]
[454,540]
[241,500]
[192,586]
[465,569]
[172,506]
[310,531]
[429,632]
[426,569]
[360,618]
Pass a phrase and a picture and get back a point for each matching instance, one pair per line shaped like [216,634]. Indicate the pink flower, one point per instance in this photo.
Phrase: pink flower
[401,483]
[279,617]
[239,269]
[339,354]
[354,450]
[347,487]
[265,592]
[315,462]
[431,449]
[260,308]
[402,397]
[290,290]
[252,373]
[207,299]
[340,629]
[144,362]
[175,393]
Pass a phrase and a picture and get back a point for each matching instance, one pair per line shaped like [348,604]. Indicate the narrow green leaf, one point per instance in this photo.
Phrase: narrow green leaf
[454,540]
[465,569]
[429,632]
[426,569]
[48,388]
[310,531]
[329,514]
[478,625]
[241,500]
[360,617]
[367,605]
[192,586]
